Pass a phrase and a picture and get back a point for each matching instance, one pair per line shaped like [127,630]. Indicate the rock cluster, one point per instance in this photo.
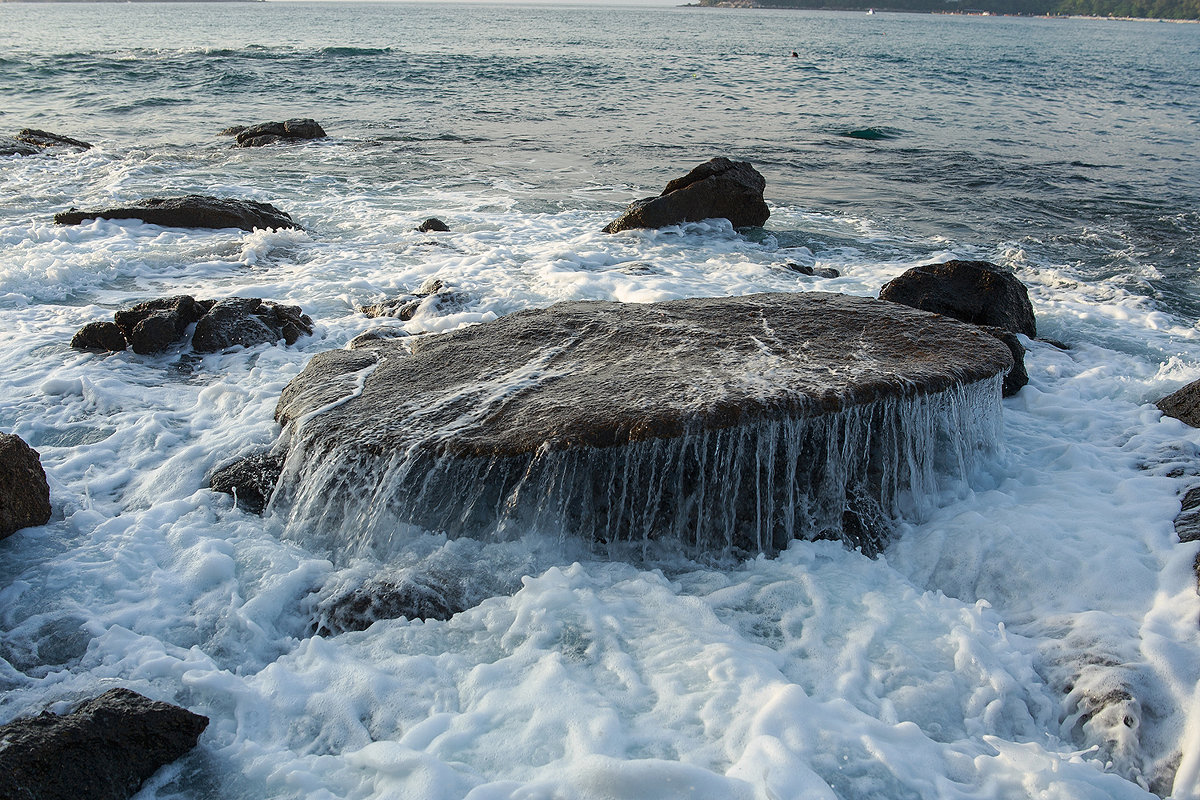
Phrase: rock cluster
[190,211]
[24,492]
[719,188]
[104,750]
[155,325]
[264,133]
[977,292]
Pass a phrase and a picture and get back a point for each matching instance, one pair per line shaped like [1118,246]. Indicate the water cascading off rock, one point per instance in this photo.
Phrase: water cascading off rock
[724,424]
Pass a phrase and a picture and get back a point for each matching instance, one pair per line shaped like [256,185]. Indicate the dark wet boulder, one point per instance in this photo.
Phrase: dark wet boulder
[153,326]
[805,269]
[433,224]
[978,292]
[249,321]
[270,132]
[720,422]
[191,211]
[251,480]
[1183,404]
[24,491]
[412,597]
[10,146]
[104,750]
[1017,377]
[719,188]
[100,336]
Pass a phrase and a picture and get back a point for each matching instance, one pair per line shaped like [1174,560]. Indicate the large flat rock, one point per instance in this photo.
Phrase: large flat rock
[593,408]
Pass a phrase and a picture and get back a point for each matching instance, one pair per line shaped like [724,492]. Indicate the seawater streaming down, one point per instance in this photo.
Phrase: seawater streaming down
[1033,633]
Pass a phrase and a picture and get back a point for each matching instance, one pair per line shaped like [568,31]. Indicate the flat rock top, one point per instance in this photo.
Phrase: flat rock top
[602,373]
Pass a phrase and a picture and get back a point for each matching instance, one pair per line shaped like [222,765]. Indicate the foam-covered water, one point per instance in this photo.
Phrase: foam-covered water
[1033,634]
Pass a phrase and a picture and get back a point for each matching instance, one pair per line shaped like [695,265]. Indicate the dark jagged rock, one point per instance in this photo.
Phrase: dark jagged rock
[249,321]
[251,481]
[1183,404]
[192,211]
[10,146]
[270,132]
[717,188]
[972,291]
[1017,377]
[24,492]
[805,269]
[45,139]
[155,325]
[104,750]
[232,130]
[542,413]
[433,224]
[100,336]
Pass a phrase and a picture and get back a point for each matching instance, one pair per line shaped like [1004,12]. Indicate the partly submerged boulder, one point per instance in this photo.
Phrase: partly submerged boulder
[725,423]
[434,297]
[433,224]
[251,480]
[715,189]
[24,492]
[100,335]
[31,141]
[104,750]
[978,292]
[191,211]
[270,132]
[249,321]
[155,325]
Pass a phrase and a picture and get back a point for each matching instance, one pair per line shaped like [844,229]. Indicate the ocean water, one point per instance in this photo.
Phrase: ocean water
[1035,634]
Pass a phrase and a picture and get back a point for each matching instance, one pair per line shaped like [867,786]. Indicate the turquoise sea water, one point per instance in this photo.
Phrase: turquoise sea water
[1033,636]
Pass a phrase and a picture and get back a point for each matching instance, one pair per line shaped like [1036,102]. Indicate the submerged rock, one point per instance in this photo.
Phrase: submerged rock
[24,492]
[425,597]
[191,211]
[721,422]
[972,291]
[251,480]
[31,141]
[719,188]
[434,297]
[104,750]
[270,132]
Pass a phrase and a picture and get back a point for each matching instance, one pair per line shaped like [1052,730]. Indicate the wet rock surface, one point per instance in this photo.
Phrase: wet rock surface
[1183,404]
[433,224]
[588,379]
[972,291]
[191,211]
[24,491]
[156,325]
[265,133]
[719,188]
[31,141]
[434,297]
[251,480]
[104,750]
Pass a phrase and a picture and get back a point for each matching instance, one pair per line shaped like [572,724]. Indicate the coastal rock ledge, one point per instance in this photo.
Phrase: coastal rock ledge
[718,188]
[731,424]
[190,211]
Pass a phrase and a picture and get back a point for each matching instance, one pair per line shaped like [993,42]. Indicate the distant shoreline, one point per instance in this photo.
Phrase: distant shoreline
[756,6]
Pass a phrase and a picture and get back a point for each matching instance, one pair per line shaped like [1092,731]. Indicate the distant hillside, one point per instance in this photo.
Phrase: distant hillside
[1151,9]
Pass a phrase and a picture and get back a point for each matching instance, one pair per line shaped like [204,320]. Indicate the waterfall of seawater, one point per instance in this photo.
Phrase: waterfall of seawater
[740,490]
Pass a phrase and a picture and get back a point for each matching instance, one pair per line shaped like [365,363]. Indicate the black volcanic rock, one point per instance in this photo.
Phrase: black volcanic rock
[717,188]
[100,336]
[104,750]
[978,292]
[270,132]
[249,321]
[542,413]
[24,492]
[433,224]
[191,211]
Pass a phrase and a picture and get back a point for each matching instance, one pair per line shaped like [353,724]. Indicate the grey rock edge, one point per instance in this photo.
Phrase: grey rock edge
[585,376]
[190,211]
[24,492]
[104,750]
[719,188]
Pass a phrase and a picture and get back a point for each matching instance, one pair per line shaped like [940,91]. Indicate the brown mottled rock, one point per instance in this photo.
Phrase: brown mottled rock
[24,491]
[1183,404]
[541,413]
[719,188]
[190,211]
[104,750]
[290,130]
